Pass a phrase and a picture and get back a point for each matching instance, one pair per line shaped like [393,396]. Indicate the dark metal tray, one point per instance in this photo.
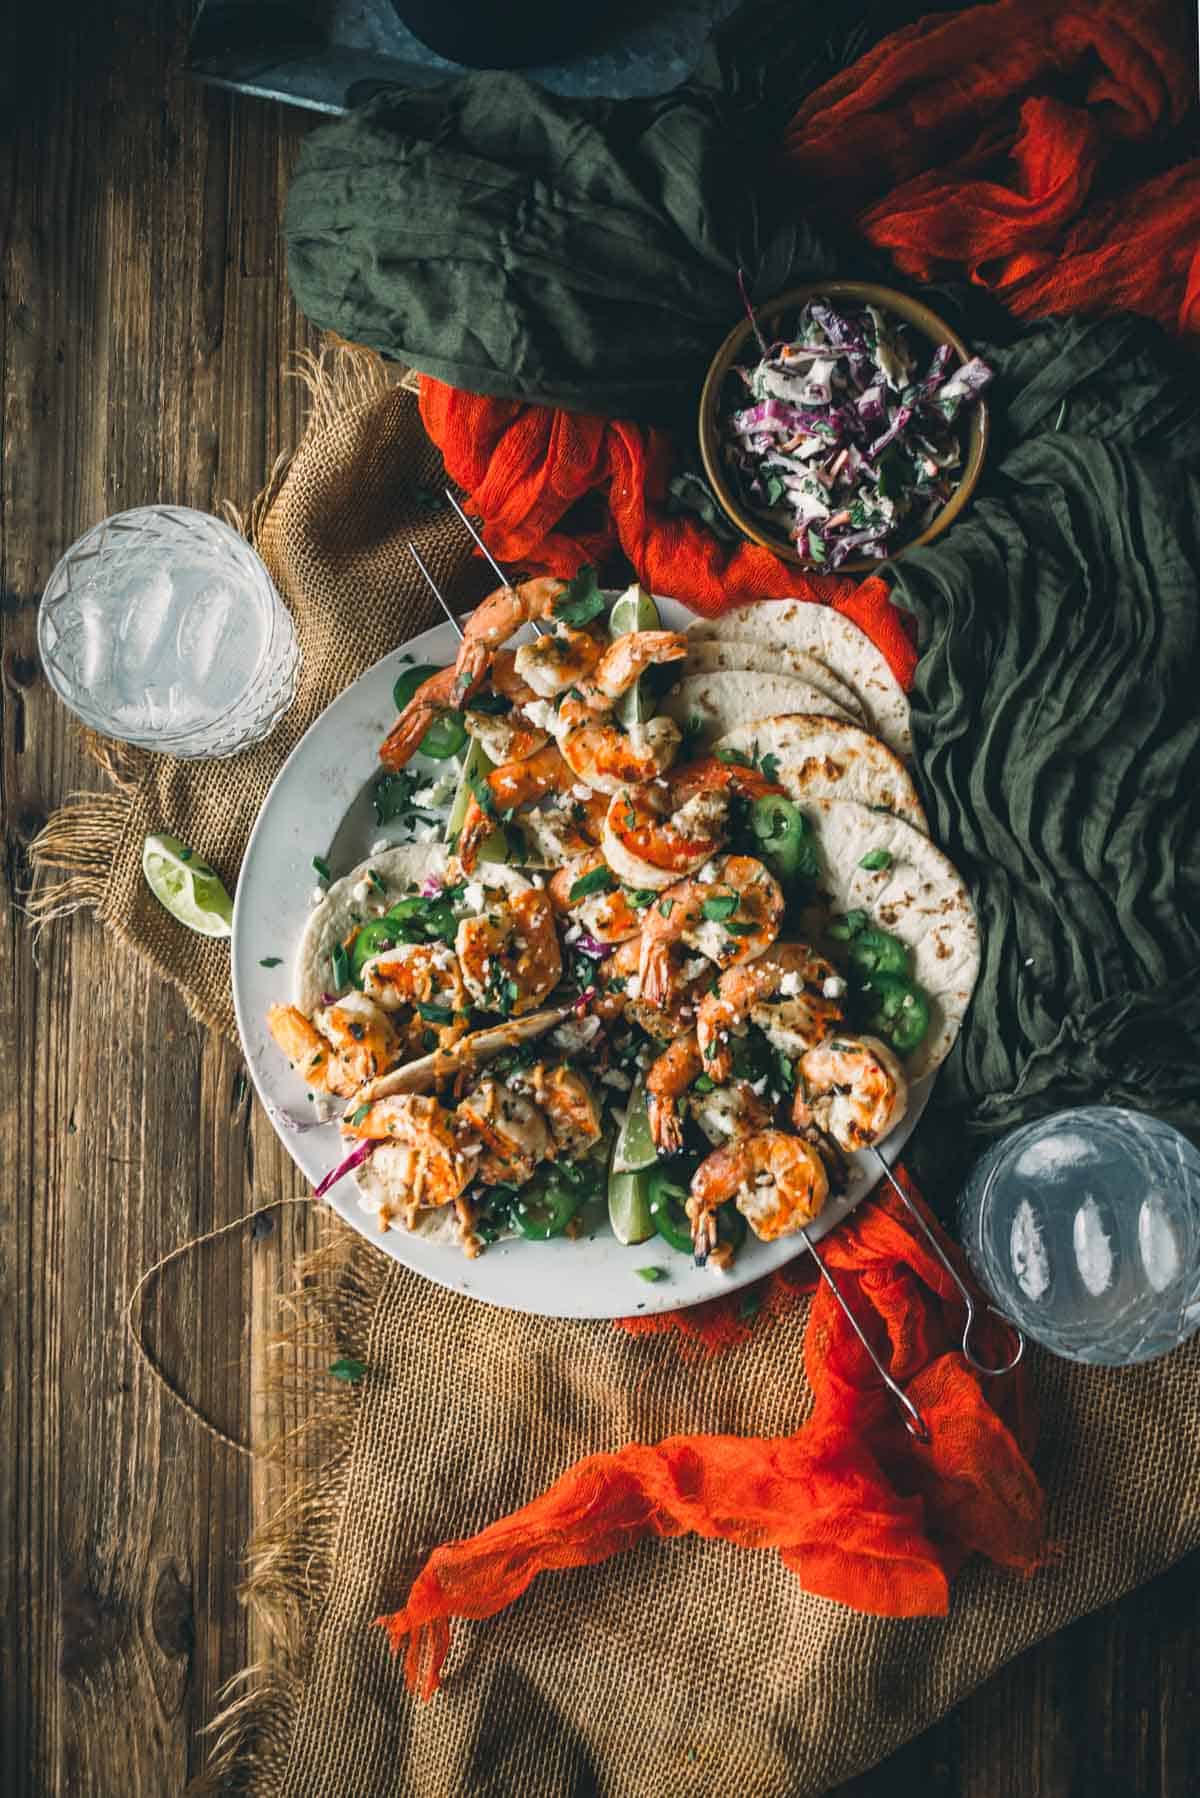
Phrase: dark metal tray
[334,56]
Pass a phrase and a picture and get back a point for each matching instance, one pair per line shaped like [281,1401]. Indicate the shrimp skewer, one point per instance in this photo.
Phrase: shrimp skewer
[512,736]
[596,748]
[731,918]
[496,619]
[778,1182]
[665,830]
[790,992]
[852,1088]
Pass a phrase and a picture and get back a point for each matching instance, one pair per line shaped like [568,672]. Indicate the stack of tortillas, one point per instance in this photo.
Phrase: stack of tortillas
[801,684]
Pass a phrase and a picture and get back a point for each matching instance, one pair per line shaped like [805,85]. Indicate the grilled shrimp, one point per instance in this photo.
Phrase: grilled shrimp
[431,699]
[437,1170]
[496,619]
[516,783]
[608,915]
[413,975]
[511,736]
[503,1133]
[596,748]
[790,992]
[852,1088]
[560,659]
[509,956]
[730,918]
[660,832]
[778,1182]
[566,1101]
[621,994]
[363,1035]
[309,1052]
[725,1113]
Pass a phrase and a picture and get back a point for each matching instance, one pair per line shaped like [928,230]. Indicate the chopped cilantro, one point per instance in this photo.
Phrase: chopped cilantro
[356,1117]
[843,928]
[322,867]
[640,897]
[666,907]
[649,1273]
[582,600]
[875,859]
[720,906]
[703,1083]
[483,793]
[597,880]
[270,961]
[735,756]
[434,1014]
[376,881]
[735,929]
[340,962]
[770,767]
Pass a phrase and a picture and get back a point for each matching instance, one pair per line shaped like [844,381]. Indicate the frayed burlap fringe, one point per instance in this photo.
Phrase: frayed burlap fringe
[289,1559]
[81,839]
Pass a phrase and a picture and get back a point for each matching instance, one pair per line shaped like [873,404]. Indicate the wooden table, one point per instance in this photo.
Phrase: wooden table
[145,324]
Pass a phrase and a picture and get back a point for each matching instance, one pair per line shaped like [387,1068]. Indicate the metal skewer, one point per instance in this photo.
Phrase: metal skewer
[979,1366]
[435,589]
[489,557]
[914,1423]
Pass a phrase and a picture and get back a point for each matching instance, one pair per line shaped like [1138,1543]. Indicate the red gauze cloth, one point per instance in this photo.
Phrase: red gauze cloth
[975,166]
[859,1511]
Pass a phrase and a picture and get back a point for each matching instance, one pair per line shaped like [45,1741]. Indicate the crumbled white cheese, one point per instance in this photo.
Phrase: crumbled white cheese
[378,847]
[360,892]
[581,791]
[834,987]
[759,1087]
[473,895]
[540,713]
[791,985]
[633,987]
[317,896]
[436,793]
[575,1035]
[708,873]
[617,1077]
[693,969]
[538,880]
[572,933]
[425,833]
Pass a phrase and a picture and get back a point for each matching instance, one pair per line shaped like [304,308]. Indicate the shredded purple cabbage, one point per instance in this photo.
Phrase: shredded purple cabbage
[355,1158]
[846,440]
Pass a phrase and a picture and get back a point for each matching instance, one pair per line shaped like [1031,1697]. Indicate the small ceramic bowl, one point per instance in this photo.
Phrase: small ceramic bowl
[739,347]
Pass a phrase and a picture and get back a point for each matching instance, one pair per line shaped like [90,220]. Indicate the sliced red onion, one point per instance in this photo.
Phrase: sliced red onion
[431,886]
[590,945]
[584,1000]
[354,1159]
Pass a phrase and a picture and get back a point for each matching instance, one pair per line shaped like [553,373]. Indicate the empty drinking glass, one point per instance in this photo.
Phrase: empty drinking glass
[161,627]
[1084,1228]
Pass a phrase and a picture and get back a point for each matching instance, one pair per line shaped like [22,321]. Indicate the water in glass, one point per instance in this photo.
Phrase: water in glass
[161,627]
[1084,1228]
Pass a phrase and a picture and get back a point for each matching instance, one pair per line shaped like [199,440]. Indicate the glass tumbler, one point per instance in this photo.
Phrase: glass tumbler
[1084,1228]
[161,627]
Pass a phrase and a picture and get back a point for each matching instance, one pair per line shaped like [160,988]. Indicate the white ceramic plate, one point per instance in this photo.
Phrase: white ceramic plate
[320,805]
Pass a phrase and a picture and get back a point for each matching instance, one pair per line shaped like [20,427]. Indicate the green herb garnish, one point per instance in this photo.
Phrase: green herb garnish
[270,961]
[641,897]
[356,1117]
[322,867]
[843,928]
[582,600]
[649,1273]
[434,1014]
[666,907]
[735,929]
[720,906]
[483,793]
[876,859]
[703,1083]
[376,881]
[597,880]
[348,1369]
[770,767]
[734,756]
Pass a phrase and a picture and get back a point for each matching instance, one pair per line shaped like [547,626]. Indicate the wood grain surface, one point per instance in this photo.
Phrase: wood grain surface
[144,323]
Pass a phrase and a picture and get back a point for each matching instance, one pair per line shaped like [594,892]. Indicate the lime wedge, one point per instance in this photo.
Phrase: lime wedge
[628,1208]
[183,882]
[635,1145]
[475,764]
[634,611]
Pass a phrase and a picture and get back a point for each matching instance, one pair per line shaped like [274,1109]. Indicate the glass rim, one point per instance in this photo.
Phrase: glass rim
[265,594]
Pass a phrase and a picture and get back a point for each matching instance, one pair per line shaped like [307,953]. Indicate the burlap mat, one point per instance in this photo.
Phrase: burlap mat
[684,1669]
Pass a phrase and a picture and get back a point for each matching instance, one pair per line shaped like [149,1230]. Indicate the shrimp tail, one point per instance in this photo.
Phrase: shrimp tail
[655,970]
[430,700]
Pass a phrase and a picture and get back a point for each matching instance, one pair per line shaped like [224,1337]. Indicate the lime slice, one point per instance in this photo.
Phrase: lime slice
[635,1145]
[628,1208]
[187,886]
[634,611]
[475,764]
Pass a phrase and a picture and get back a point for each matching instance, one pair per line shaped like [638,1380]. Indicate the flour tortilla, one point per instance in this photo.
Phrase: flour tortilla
[849,652]
[919,898]
[821,758]
[402,870]
[745,655]
[724,700]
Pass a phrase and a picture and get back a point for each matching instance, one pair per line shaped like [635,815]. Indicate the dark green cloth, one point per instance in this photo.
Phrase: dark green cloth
[1056,719]
[578,253]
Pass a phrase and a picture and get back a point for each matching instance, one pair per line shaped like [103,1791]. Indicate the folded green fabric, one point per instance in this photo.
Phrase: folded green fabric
[577,253]
[1057,731]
